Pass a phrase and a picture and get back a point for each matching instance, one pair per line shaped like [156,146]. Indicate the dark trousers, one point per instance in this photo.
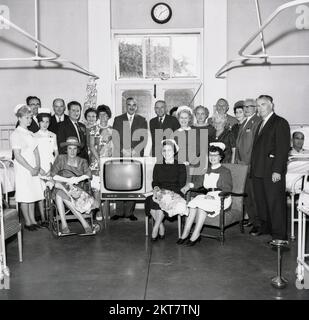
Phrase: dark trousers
[271,206]
[125,208]
[250,204]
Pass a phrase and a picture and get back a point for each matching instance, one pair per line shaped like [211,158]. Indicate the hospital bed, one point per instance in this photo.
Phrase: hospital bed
[298,167]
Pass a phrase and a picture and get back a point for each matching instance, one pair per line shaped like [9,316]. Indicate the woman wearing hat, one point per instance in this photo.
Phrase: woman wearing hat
[70,173]
[26,166]
[217,178]
[48,150]
[169,178]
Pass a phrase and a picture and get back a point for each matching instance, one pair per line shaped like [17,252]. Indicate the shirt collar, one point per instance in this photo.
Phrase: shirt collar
[131,115]
[267,118]
[163,117]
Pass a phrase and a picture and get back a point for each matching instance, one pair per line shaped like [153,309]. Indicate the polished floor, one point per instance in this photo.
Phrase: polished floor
[121,263]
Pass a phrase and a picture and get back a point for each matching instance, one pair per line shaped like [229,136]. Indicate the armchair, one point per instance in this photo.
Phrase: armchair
[235,213]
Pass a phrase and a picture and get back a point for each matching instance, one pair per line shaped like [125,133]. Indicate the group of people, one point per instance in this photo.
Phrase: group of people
[63,152]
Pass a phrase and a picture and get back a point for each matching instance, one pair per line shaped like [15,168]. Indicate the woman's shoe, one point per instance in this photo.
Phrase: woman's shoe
[182,241]
[161,236]
[65,230]
[88,230]
[193,243]
[155,238]
[30,228]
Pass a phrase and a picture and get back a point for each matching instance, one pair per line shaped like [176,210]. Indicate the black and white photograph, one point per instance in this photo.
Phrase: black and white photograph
[154,154]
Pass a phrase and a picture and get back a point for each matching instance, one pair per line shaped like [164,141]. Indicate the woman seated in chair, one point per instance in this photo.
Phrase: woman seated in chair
[70,173]
[217,178]
[169,178]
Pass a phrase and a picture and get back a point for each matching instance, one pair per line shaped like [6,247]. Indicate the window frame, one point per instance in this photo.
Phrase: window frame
[116,34]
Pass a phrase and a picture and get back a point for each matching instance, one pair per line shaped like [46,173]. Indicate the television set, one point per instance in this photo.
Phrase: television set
[126,178]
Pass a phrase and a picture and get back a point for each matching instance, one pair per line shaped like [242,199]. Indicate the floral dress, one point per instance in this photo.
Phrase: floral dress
[102,143]
[77,195]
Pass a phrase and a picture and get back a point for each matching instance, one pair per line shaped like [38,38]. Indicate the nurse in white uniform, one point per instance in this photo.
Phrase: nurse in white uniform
[26,166]
[48,150]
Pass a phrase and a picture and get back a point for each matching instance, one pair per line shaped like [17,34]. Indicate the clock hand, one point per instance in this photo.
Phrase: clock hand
[162,12]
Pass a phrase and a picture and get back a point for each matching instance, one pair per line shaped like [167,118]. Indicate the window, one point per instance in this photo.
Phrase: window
[158,56]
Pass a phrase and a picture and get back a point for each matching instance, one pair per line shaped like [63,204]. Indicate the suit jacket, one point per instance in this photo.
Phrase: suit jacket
[122,136]
[169,122]
[33,127]
[53,126]
[271,148]
[66,129]
[245,138]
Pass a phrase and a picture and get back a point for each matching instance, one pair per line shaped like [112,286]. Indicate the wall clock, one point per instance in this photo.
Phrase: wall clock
[161,12]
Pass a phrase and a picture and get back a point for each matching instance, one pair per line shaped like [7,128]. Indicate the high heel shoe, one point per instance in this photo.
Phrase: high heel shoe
[182,241]
[161,237]
[155,238]
[193,243]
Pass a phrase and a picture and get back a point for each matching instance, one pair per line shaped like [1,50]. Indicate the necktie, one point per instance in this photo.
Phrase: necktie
[160,122]
[261,127]
[130,120]
[77,130]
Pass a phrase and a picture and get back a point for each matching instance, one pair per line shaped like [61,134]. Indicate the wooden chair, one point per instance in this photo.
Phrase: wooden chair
[10,225]
[235,213]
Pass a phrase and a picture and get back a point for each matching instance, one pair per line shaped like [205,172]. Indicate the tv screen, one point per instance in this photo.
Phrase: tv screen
[123,175]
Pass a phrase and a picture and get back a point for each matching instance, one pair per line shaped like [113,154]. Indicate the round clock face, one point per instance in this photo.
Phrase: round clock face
[161,12]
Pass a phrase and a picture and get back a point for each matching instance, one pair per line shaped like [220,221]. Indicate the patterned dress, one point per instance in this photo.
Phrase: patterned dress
[77,195]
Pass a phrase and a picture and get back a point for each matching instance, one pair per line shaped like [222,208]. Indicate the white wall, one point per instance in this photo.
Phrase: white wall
[135,14]
[288,84]
[64,27]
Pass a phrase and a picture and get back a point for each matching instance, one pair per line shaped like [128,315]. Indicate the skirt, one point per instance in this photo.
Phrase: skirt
[211,206]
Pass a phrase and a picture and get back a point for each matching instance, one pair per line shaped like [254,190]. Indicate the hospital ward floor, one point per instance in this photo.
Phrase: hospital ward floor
[121,263]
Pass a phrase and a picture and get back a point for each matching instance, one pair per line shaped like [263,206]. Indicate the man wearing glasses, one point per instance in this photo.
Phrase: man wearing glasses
[34,103]
[244,144]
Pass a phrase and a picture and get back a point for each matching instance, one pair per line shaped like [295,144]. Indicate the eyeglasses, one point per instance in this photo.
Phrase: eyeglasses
[250,106]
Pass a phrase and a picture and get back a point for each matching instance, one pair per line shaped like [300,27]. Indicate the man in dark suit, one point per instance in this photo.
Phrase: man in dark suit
[72,128]
[268,169]
[59,115]
[129,140]
[244,144]
[34,103]
[162,121]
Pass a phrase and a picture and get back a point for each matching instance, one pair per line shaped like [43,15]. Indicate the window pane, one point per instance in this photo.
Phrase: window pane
[130,58]
[157,56]
[185,56]
[178,97]
[143,99]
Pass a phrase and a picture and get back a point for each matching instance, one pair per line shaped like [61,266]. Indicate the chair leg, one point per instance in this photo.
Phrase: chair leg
[293,220]
[179,226]
[146,225]
[20,246]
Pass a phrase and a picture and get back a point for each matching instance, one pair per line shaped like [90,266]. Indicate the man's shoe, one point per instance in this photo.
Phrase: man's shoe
[132,218]
[247,223]
[255,232]
[115,217]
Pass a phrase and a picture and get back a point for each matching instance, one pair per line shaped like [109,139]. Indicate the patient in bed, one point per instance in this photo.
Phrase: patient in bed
[298,163]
